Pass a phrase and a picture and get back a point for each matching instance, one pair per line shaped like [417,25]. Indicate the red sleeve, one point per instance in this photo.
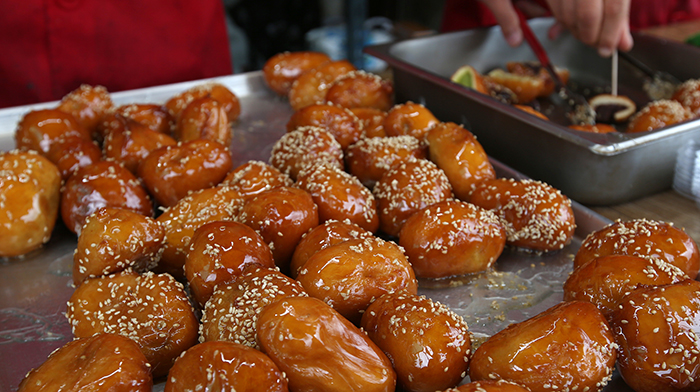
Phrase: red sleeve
[50,47]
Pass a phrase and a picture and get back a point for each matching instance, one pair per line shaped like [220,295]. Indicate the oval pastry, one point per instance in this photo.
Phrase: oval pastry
[452,238]
[456,151]
[428,344]
[152,310]
[339,196]
[657,331]
[536,215]
[221,366]
[321,350]
[102,362]
[322,236]
[30,193]
[218,252]
[350,275]
[642,237]
[232,312]
[406,188]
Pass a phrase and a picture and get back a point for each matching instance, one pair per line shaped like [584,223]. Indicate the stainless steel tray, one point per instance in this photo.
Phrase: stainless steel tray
[590,168]
[34,290]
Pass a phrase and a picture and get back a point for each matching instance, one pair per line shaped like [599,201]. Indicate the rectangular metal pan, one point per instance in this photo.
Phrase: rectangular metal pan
[34,289]
[593,169]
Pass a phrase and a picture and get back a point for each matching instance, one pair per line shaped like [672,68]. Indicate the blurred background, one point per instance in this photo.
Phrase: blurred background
[259,29]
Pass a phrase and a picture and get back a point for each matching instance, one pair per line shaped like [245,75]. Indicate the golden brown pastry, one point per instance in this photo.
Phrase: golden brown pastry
[29,201]
[339,196]
[536,215]
[642,237]
[221,366]
[231,313]
[305,146]
[172,172]
[88,104]
[456,151]
[409,119]
[428,344]
[282,69]
[658,114]
[254,177]
[181,220]
[406,188]
[656,329]
[370,158]
[103,184]
[281,215]
[452,238]
[351,274]
[605,280]
[115,239]
[152,310]
[567,347]
[231,104]
[102,362]
[359,89]
[218,252]
[329,233]
[322,350]
[345,127]
[310,87]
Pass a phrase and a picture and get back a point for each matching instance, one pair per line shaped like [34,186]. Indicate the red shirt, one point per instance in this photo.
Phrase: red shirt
[467,14]
[49,47]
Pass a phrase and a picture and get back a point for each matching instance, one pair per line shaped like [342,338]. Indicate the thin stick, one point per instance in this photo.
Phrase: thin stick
[614,72]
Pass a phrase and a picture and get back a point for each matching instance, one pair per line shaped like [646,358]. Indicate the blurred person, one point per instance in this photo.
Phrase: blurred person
[49,48]
[603,24]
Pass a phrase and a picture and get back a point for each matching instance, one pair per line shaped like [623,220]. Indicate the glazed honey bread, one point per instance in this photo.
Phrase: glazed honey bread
[131,142]
[359,89]
[406,188]
[225,366]
[451,238]
[605,280]
[254,177]
[29,201]
[153,310]
[87,104]
[329,233]
[370,158]
[228,100]
[113,240]
[345,127]
[231,314]
[305,146]
[642,237]
[281,70]
[184,218]
[104,361]
[409,119]
[115,185]
[536,215]
[409,328]
[204,118]
[339,196]
[172,172]
[322,349]
[350,275]
[220,251]
[310,87]
[656,331]
[567,347]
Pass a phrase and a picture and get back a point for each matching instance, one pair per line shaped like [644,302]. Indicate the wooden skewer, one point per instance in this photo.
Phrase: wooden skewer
[614,72]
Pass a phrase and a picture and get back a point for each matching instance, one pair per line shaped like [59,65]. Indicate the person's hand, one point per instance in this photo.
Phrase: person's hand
[603,24]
